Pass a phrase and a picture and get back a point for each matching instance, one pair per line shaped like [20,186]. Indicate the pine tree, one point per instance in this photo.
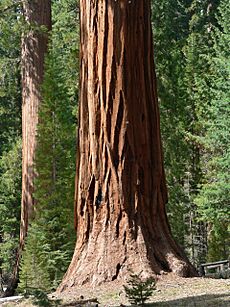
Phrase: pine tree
[49,246]
[34,273]
[139,290]
[171,29]
[198,51]
[10,183]
[55,158]
[213,200]
[64,41]
[10,135]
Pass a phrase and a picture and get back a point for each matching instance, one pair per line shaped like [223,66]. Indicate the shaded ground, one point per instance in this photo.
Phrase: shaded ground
[171,291]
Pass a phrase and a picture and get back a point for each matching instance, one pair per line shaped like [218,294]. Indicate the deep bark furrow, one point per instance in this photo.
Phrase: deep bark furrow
[124,225]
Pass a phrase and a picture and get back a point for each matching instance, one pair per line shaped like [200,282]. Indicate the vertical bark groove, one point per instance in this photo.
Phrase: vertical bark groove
[120,147]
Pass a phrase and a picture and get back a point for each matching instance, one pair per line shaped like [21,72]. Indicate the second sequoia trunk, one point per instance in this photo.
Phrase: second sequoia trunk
[34,47]
[37,14]
[121,193]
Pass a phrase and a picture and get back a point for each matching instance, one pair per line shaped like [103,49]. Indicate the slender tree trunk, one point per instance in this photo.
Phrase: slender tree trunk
[34,48]
[121,193]
[37,13]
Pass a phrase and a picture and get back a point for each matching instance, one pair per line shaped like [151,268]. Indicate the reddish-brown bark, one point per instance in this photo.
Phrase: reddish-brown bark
[34,48]
[121,193]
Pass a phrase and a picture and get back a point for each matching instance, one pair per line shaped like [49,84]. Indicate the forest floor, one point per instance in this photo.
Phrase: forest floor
[170,291]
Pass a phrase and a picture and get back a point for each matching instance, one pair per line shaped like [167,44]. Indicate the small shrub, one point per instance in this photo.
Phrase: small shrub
[40,298]
[139,290]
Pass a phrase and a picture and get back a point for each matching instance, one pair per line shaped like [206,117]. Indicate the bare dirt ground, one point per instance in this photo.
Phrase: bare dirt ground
[171,291]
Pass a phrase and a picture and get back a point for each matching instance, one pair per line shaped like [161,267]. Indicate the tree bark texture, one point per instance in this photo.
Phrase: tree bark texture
[37,13]
[121,192]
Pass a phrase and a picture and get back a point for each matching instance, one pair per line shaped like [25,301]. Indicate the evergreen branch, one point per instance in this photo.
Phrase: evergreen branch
[12,6]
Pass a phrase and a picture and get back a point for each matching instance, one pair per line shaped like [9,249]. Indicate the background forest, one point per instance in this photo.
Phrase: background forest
[192,59]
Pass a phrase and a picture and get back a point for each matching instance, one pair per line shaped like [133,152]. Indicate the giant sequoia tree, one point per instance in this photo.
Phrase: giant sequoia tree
[34,47]
[37,15]
[121,193]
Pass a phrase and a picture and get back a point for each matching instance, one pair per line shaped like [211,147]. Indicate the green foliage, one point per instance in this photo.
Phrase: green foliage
[51,236]
[195,84]
[192,64]
[171,31]
[42,267]
[65,43]
[40,298]
[10,94]
[213,199]
[55,154]
[10,134]
[10,198]
[34,272]
[138,290]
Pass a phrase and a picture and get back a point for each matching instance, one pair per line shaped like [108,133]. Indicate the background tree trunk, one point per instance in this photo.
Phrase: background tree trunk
[121,193]
[34,48]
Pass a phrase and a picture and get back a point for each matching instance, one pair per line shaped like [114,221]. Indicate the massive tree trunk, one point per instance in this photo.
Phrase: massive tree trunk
[37,13]
[121,193]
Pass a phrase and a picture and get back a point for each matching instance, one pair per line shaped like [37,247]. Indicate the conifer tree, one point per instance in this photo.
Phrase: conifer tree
[51,237]
[55,160]
[34,273]
[171,29]
[37,15]
[10,183]
[37,21]
[198,51]
[10,135]
[213,199]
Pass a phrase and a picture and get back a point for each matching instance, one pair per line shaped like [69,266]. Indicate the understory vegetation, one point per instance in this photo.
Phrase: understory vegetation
[139,290]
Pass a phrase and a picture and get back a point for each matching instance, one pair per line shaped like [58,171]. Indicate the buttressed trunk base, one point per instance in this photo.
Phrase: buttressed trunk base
[120,199]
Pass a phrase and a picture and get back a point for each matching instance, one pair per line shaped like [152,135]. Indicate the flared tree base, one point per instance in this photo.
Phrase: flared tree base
[105,258]
[121,223]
